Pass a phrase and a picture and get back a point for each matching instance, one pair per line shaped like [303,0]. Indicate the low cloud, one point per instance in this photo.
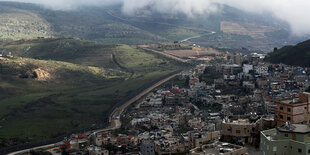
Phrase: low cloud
[294,12]
[69,4]
[187,7]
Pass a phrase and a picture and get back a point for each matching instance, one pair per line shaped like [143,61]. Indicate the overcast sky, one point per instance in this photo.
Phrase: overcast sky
[295,12]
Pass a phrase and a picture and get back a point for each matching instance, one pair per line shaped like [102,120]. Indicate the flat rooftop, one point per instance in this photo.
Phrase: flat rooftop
[292,101]
[298,128]
[217,148]
[239,121]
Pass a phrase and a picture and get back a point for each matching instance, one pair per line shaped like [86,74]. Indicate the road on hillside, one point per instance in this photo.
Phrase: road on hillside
[115,122]
[167,55]
[198,36]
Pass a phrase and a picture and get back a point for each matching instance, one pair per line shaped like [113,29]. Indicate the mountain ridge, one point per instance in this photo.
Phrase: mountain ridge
[296,55]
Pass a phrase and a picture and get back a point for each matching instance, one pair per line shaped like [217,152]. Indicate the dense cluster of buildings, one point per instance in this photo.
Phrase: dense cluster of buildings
[243,106]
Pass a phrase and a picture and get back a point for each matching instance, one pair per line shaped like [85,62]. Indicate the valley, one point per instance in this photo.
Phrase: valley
[119,77]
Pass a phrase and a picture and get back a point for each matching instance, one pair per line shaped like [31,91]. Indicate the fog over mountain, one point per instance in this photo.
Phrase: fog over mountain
[294,12]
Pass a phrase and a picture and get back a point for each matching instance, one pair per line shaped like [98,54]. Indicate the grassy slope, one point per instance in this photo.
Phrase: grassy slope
[22,24]
[45,108]
[298,55]
[70,50]
[25,21]
[56,106]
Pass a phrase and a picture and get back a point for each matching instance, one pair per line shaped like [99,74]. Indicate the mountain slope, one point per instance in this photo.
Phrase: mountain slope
[235,29]
[28,21]
[73,85]
[22,24]
[298,55]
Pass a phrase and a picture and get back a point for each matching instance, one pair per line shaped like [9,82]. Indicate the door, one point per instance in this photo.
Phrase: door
[294,136]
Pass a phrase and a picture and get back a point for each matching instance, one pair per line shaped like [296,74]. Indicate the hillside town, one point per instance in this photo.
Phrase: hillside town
[243,106]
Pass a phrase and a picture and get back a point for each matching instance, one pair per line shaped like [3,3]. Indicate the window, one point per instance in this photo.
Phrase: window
[281,116]
[288,118]
[237,131]
[288,109]
[299,150]
[274,148]
[308,151]
[281,108]
[286,135]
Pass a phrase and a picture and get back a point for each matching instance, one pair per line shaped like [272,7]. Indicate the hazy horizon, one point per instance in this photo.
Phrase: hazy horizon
[293,12]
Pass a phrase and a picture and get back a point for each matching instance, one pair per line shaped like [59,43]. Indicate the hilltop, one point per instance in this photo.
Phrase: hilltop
[298,55]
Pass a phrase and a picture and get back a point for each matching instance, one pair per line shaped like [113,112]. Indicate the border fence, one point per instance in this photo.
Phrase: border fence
[103,125]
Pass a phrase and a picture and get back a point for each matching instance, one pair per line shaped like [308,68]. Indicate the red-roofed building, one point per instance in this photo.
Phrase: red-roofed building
[67,143]
[69,150]
[168,93]
[176,91]
[80,136]
[194,80]
[63,146]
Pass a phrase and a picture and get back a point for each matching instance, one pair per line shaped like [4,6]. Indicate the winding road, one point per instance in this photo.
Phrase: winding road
[198,36]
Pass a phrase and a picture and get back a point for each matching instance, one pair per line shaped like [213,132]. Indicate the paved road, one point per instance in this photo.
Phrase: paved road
[198,36]
[28,150]
[115,117]
[168,55]
[115,122]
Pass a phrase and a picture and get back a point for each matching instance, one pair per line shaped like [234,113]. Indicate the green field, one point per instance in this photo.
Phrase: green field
[77,83]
